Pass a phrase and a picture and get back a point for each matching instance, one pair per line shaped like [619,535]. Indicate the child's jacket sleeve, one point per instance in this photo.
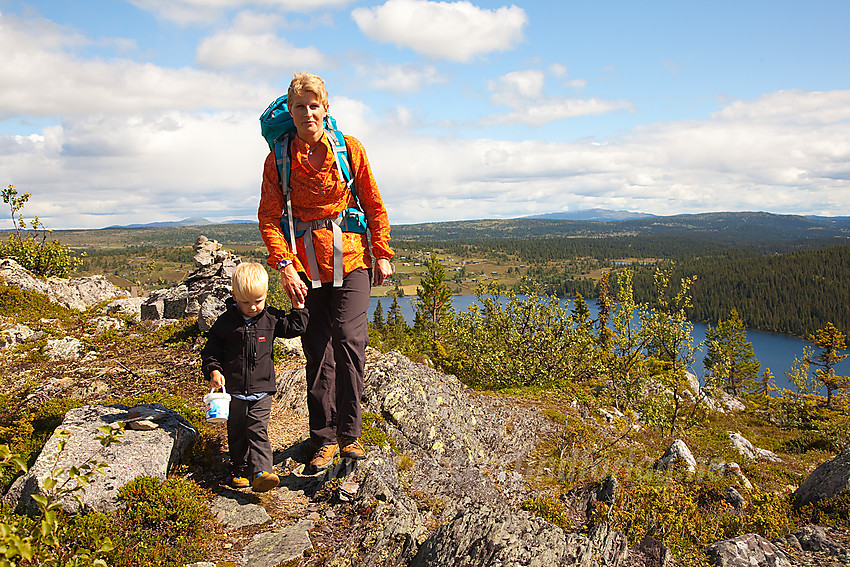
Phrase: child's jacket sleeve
[292,325]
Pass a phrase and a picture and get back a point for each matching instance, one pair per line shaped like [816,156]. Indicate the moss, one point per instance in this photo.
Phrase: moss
[29,307]
[374,434]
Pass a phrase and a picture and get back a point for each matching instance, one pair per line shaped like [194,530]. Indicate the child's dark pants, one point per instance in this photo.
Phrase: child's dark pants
[248,436]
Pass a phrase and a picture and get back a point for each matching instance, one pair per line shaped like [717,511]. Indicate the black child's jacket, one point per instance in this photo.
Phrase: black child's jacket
[242,352]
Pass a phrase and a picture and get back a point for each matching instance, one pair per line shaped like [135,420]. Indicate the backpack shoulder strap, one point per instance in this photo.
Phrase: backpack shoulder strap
[341,155]
[284,166]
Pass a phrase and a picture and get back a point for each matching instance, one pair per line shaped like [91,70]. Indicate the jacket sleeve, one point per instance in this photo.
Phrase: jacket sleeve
[272,204]
[212,352]
[293,324]
[370,200]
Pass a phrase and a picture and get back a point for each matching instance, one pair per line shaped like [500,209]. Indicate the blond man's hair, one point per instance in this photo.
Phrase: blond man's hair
[249,280]
[308,83]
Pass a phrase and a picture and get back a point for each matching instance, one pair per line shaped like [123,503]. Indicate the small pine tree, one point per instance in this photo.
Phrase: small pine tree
[729,361]
[831,341]
[435,299]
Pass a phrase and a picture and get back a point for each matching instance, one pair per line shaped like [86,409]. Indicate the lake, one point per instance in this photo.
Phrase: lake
[772,350]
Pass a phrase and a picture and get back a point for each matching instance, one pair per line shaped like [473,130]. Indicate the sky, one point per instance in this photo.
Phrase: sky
[117,112]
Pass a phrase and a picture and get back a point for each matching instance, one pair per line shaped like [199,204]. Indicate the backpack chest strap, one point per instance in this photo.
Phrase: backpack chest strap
[334,226]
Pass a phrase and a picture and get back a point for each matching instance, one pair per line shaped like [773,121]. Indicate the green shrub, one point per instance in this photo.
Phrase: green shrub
[551,510]
[833,511]
[520,340]
[164,523]
[32,249]
[687,514]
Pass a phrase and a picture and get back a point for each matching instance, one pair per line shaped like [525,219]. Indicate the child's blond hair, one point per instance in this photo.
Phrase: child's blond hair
[249,280]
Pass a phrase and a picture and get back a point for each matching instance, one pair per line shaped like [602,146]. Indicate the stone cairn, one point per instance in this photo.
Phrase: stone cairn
[202,293]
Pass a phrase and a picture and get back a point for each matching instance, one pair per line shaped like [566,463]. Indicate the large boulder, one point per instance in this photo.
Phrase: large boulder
[74,293]
[750,550]
[148,451]
[827,480]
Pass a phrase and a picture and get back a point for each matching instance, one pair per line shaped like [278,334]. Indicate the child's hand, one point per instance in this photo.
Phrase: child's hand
[298,304]
[216,380]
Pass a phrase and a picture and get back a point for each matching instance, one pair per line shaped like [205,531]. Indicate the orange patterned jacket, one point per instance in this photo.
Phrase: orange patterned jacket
[320,195]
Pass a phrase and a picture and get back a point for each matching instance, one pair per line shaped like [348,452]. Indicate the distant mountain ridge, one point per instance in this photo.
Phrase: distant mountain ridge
[602,215]
[192,221]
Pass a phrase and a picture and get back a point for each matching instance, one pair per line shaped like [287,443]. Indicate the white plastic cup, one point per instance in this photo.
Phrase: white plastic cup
[218,406]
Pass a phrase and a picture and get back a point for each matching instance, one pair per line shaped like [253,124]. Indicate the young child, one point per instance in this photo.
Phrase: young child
[238,355]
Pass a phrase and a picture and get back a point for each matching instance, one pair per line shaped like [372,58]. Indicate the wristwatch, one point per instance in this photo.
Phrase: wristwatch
[283,264]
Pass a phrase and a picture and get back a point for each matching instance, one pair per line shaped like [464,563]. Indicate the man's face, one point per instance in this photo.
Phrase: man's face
[309,115]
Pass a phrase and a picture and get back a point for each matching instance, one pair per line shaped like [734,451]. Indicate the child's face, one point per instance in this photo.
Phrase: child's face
[252,305]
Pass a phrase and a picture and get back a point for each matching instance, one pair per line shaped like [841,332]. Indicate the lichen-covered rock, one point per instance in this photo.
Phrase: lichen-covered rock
[16,334]
[128,307]
[750,550]
[75,293]
[485,537]
[463,452]
[747,450]
[677,455]
[138,453]
[66,348]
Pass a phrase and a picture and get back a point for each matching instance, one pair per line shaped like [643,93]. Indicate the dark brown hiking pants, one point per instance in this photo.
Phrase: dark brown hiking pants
[335,348]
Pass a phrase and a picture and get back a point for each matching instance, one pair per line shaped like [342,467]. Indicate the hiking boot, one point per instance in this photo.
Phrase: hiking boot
[239,482]
[351,448]
[265,481]
[324,456]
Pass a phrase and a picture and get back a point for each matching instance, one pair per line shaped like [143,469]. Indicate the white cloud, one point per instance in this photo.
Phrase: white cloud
[455,31]
[522,92]
[40,79]
[409,78]
[207,11]
[94,172]
[252,42]
[746,163]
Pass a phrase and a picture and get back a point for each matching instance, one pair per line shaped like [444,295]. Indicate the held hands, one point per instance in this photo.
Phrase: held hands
[294,286]
[216,380]
[383,270]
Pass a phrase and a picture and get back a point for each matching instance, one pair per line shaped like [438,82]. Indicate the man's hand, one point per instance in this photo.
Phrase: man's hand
[293,285]
[383,270]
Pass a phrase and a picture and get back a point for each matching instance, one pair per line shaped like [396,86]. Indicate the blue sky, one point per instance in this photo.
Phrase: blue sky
[117,112]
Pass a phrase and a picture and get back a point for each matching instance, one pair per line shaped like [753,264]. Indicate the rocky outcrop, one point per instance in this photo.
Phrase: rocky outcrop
[463,452]
[74,293]
[149,451]
[827,480]
[748,550]
[202,294]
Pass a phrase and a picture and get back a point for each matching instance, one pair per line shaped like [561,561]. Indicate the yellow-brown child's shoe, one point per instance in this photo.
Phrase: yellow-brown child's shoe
[239,482]
[324,457]
[265,481]
[351,448]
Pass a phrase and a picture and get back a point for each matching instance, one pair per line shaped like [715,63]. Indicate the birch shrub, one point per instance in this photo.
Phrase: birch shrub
[511,339]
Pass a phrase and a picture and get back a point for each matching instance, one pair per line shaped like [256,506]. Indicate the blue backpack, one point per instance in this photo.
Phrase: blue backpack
[278,127]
